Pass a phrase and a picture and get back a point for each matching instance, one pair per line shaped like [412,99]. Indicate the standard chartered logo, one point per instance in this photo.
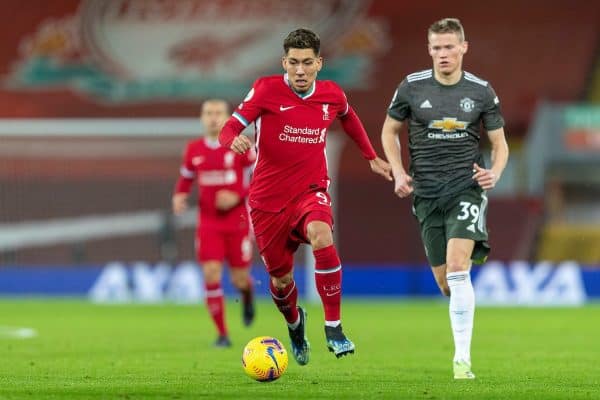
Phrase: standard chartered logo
[292,134]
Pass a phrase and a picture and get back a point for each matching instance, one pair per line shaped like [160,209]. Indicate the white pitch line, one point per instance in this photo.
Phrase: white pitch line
[16,332]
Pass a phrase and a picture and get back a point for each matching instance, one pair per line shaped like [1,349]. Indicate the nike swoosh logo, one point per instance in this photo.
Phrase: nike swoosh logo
[333,293]
[282,108]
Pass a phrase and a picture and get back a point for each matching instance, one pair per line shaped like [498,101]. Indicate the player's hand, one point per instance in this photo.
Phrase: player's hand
[241,144]
[179,202]
[486,178]
[403,185]
[381,167]
[226,199]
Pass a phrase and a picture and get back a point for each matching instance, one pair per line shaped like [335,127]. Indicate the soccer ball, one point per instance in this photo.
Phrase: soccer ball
[264,359]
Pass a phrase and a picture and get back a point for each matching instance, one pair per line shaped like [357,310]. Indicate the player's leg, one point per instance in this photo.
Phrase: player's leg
[239,255]
[462,303]
[439,274]
[317,226]
[277,252]
[433,235]
[467,241]
[215,300]
[210,252]
[285,295]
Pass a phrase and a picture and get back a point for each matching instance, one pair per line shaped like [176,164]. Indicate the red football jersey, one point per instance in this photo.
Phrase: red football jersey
[291,130]
[215,167]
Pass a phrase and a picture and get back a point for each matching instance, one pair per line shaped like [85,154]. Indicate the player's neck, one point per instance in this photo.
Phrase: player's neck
[212,139]
[448,80]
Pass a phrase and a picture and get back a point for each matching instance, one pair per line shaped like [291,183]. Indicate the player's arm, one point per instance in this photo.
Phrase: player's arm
[398,111]
[184,184]
[487,178]
[226,199]
[390,141]
[243,116]
[355,129]
[494,124]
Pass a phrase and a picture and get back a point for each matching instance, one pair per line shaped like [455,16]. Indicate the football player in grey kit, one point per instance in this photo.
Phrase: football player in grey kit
[444,108]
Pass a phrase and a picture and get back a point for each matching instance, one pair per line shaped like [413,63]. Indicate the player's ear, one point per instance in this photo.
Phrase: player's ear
[319,63]
[465,47]
[283,59]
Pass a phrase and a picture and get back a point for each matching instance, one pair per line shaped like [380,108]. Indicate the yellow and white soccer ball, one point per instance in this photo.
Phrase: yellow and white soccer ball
[264,359]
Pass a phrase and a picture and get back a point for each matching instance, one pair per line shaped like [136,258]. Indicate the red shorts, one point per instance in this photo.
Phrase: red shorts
[215,244]
[278,234]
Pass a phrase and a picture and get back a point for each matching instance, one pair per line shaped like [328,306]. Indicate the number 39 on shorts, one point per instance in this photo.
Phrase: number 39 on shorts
[468,210]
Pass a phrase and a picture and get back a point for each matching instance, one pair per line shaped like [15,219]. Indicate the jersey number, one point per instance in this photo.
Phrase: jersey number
[323,199]
[468,209]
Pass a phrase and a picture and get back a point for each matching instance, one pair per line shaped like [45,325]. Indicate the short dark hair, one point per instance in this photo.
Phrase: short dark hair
[448,25]
[302,39]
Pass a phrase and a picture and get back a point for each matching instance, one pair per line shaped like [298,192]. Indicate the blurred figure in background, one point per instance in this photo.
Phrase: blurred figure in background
[445,108]
[288,194]
[223,230]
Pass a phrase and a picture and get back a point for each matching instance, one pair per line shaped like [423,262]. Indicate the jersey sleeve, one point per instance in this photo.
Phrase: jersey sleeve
[187,172]
[251,107]
[345,106]
[248,110]
[492,115]
[399,107]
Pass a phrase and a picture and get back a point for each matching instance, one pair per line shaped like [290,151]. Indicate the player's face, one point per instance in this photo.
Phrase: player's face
[447,52]
[214,115]
[301,66]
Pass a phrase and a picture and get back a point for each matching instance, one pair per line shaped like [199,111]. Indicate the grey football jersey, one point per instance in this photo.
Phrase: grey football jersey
[444,129]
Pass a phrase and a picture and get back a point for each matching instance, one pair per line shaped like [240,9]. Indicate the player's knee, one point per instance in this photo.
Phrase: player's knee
[282,282]
[240,281]
[211,272]
[456,265]
[320,237]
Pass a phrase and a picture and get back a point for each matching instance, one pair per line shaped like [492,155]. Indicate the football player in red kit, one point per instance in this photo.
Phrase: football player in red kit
[223,224]
[288,194]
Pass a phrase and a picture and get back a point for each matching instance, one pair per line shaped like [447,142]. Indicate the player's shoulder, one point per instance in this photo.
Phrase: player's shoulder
[475,80]
[329,85]
[419,76]
[270,81]
[196,143]
[331,88]
[264,85]
[194,146]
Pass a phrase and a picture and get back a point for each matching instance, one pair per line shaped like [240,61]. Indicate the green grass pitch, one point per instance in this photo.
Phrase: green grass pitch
[404,351]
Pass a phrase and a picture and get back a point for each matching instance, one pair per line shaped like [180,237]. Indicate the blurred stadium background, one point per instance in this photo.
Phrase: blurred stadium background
[98,98]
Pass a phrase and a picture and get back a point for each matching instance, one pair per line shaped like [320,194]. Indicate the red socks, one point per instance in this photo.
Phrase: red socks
[216,306]
[286,300]
[328,276]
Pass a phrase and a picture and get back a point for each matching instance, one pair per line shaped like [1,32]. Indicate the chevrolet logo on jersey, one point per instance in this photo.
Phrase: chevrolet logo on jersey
[448,125]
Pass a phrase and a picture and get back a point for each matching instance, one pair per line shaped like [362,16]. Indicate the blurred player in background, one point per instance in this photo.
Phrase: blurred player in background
[288,193]
[448,179]
[223,224]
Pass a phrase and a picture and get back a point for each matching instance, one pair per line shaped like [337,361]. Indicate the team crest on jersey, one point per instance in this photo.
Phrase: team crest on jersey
[467,105]
[325,112]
